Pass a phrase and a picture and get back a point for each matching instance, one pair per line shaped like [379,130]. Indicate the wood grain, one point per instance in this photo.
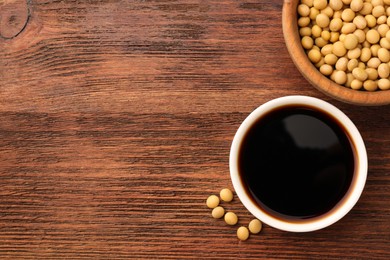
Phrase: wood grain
[116,124]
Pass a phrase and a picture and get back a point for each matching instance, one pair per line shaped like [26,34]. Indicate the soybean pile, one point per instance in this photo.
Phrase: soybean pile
[348,40]
[226,195]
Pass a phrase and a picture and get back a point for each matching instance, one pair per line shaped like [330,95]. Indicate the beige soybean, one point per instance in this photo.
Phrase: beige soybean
[383,70]
[388,18]
[328,11]
[351,41]
[348,28]
[376,2]
[388,35]
[347,15]
[381,20]
[330,59]
[255,226]
[374,49]
[350,77]
[320,63]
[321,42]
[346,2]
[322,20]
[316,31]
[373,62]
[325,35]
[371,20]
[334,37]
[339,49]
[384,55]
[360,34]
[326,69]
[342,37]
[320,4]
[307,42]
[354,54]
[366,9]
[352,64]
[242,233]
[342,64]
[356,84]
[372,36]
[370,85]
[315,55]
[336,24]
[316,48]
[212,201]
[218,212]
[309,3]
[305,31]
[356,5]
[384,43]
[313,13]
[371,73]
[332,75]
[365,55]
[327,49]
[360,22]
[362,65]
[359,74]
[303,10]
[231,218]
[378,11]
[384,84]
[366,44]
[336,4]
[383,29]
[340,77]
[303,21]
[226,195]
[337,14]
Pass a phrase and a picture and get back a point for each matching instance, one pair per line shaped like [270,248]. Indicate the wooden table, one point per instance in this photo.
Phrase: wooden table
[116,124]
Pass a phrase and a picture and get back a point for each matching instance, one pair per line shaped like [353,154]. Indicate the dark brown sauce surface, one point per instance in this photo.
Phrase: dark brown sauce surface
[297,163]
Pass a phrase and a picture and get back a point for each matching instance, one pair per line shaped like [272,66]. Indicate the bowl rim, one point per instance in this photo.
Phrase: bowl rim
[313,75]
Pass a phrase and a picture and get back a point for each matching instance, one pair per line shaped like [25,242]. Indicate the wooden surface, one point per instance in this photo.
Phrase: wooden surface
[116,124]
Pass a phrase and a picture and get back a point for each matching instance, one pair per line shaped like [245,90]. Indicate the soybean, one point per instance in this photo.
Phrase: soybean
[242,233]
[351,41]
[370,85]
[383,70]
[315,55]
[226,195]
[326,69]
[255,226]
[212,201]
[372,36]
[218,212]
[384,55]
[359,74]
[231,218]
[384,84]
[356,5]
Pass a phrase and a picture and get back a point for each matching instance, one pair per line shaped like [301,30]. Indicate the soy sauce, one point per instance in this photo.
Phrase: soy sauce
[297,162]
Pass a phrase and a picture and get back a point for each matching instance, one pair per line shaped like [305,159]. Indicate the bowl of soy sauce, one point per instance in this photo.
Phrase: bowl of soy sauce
[298,163]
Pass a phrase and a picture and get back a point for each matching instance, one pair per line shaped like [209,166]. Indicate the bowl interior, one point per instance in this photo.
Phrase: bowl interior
[312,74]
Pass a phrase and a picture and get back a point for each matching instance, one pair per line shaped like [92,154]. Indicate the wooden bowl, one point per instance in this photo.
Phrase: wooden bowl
[312,74]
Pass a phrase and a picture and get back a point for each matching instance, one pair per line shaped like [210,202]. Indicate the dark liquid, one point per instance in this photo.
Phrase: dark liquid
[296,162]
